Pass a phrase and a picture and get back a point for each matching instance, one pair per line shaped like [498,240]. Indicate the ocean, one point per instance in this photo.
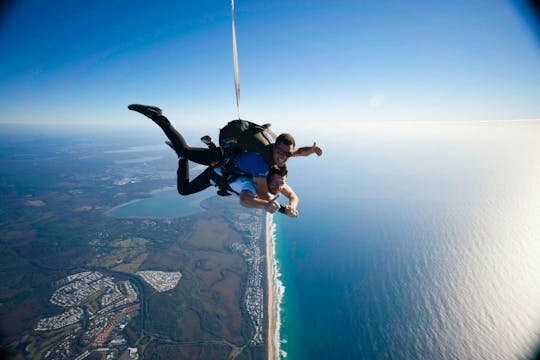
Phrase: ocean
[414,241]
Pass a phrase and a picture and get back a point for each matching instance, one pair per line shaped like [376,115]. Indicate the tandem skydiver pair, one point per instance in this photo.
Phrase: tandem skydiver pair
[249,161]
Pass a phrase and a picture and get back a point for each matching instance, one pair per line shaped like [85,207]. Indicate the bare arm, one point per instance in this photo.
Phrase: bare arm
[308,150]
[291,209]
[250,200]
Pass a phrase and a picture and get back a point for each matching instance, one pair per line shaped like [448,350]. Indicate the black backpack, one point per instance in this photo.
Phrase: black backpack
[238,136]
[243,135]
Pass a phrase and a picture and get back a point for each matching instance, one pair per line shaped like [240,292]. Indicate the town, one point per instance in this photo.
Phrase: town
[106,304]
[253,228]
[160,280]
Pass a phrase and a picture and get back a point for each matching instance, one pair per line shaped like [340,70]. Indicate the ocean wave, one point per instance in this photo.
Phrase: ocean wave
[279,291]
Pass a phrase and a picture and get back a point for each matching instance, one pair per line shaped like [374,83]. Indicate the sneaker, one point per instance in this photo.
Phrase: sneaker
[149,111]
[208,141]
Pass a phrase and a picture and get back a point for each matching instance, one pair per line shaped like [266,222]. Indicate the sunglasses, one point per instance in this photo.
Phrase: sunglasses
[283,153]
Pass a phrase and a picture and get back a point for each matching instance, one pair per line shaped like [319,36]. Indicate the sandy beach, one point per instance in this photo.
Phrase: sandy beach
[270,290]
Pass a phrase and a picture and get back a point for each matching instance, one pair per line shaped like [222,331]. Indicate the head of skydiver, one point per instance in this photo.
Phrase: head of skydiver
[283,149]
[276,178]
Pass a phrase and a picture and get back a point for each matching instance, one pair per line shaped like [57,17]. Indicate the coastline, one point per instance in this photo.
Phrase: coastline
[271,305]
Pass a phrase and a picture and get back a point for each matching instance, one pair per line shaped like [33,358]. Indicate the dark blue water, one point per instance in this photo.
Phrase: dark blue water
[414,242]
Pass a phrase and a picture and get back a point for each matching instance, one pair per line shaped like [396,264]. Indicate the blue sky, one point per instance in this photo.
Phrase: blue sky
[300,61]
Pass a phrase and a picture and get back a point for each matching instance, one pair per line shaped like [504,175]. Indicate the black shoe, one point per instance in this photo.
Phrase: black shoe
[208,141]
[152,112]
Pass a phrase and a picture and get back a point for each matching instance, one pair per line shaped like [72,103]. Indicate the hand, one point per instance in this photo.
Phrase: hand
[272,205]
[317,150]
[291,211]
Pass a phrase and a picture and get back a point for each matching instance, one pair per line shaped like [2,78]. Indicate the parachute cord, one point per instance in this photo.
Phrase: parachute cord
[235,62]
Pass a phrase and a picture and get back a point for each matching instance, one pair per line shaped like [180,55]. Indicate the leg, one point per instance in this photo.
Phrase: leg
[203,156]
[201,182]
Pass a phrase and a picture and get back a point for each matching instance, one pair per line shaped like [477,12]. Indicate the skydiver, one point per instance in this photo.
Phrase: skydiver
[242,186]
[250,163]
[277,185]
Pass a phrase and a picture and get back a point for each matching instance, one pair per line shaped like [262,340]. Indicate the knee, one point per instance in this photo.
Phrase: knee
[182,191]
[181,187]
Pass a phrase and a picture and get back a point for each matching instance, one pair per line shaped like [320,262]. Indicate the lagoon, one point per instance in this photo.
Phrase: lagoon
[164,203]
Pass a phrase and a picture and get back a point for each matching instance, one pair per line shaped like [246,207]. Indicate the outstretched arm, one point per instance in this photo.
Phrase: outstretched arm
[308,150]
[250,200]
[291,209]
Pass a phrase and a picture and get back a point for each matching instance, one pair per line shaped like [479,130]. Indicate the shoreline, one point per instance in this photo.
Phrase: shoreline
[152,192]
[271,304]
[195,205]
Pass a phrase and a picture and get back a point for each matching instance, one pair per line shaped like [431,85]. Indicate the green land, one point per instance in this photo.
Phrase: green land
[53,223]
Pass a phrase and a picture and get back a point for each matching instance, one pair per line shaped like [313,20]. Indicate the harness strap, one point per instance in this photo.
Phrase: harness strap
[229,174]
